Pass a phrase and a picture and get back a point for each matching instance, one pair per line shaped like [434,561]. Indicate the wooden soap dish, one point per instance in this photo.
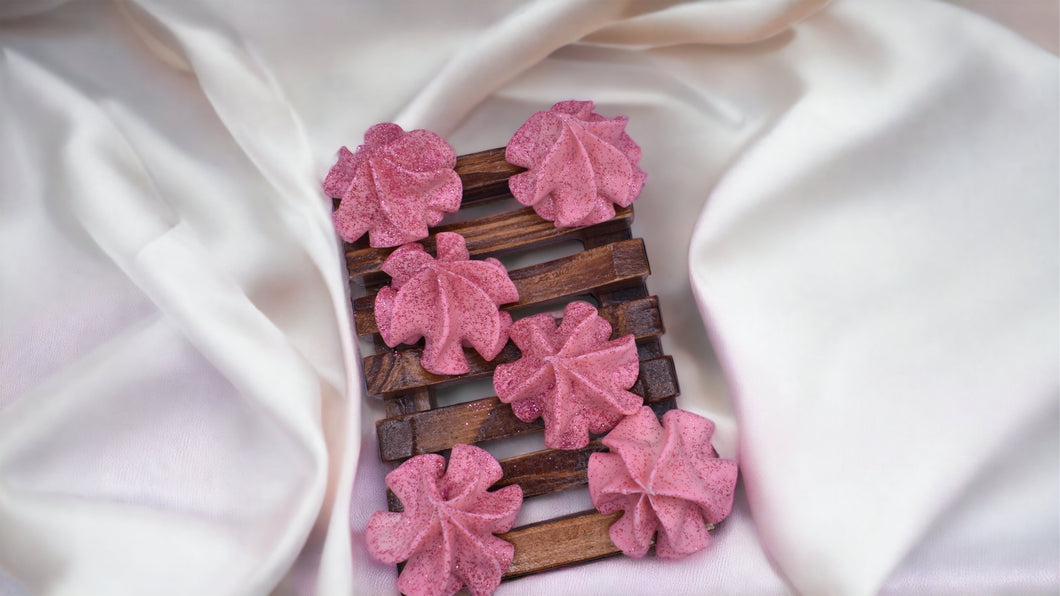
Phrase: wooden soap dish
[611,269]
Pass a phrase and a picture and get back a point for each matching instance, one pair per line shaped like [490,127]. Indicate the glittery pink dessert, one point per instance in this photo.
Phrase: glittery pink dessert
[446,531]
[573,376]
[665,478]
[394,185]
[580,164]
[451,301]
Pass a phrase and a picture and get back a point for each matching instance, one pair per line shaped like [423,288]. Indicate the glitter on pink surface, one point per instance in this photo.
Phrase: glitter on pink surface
[580,164]
[573,376]
[446,531]
[665,478]
[394,185]
[451,301]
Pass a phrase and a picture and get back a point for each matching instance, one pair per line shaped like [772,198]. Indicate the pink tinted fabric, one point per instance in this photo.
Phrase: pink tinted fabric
[667,478]
[394,185]
[451,301]
[580,164]
[446,530]
[573,376]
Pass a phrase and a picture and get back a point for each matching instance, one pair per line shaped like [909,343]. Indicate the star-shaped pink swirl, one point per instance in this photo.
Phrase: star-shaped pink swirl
[451,301]
[446,531]
[573,376]
[665,478]
[394,185]
[580,164]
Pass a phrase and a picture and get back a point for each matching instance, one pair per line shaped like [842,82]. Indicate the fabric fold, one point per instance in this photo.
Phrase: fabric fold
[868,282]
[858,196]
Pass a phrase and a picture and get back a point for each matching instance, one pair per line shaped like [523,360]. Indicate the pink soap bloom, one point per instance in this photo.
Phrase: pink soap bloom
[394,185]
[446,531]
[666,478]
[451,301]
[573,376]
[580,164]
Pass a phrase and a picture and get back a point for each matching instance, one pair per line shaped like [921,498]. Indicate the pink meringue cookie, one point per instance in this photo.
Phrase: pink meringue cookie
[573,376]
[580,164]
[394,185]
[446,531]
[665,478]
[451,301]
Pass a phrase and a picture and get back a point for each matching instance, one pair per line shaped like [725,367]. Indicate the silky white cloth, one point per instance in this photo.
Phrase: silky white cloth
[860,197]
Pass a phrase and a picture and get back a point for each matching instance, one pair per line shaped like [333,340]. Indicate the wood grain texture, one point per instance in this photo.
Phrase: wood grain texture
[579,538]
[400,370]
[622,264]
[550,470]
[489,419]
[485,176]
[417,400]
[495,235]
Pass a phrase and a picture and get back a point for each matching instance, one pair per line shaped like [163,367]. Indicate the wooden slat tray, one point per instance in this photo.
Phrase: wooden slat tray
[610,271]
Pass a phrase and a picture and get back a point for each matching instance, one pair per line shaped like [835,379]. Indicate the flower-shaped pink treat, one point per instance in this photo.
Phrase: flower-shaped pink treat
[580,164]
[446,531]
[665,478]
[394,185]
[573,376]
[451,301]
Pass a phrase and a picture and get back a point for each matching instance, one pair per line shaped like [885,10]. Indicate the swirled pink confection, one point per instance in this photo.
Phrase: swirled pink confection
[446,531]
[666,478]
[580,164]
[450,300]
[572,376]
[393,186]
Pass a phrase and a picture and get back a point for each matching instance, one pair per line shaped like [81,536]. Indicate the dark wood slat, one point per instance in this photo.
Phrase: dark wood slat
[563,541]
[400,370]
[607,267]
[613,266]
[417,400]
[495,235]
[393,503]
[579,538]
[548,471]
[649,349]
[485,176]
[601,237]
[489,419]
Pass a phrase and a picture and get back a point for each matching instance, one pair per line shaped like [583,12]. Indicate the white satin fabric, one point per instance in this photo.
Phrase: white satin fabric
[860,197]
